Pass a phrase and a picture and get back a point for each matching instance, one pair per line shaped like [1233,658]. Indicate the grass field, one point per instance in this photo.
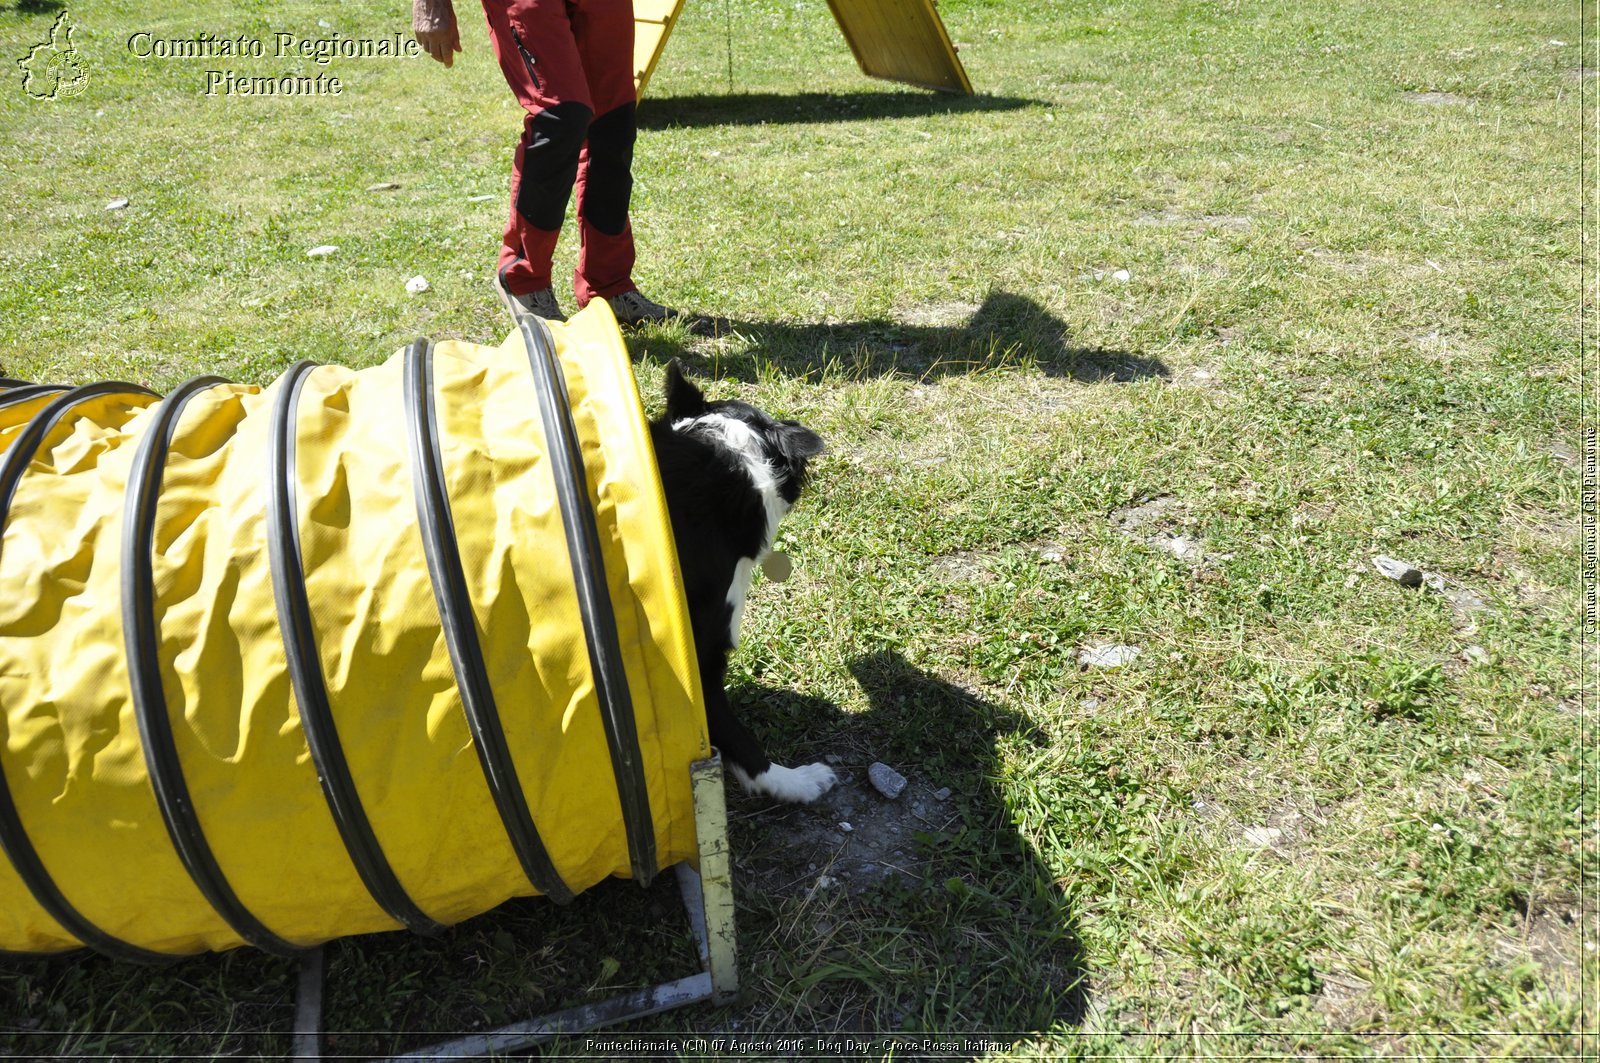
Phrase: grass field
[1318,814]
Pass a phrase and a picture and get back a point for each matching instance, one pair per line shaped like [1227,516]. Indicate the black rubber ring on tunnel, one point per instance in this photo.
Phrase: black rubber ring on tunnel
[305,669]
[23,392]
[594,597]
[461,628]
[13,836]
[8,382]
[142,636]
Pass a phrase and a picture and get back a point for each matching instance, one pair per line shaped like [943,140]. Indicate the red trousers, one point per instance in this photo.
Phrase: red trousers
[570,63]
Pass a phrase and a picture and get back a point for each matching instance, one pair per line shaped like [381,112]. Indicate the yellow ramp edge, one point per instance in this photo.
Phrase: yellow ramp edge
[901,40]
[897,40]
[652,25]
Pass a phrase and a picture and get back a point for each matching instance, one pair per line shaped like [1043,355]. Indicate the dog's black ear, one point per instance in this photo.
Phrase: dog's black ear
[684,399]
[797,443]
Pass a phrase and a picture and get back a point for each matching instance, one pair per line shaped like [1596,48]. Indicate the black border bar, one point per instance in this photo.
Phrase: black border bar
[460,625]
[305,668]
[13,836]
[594,596]
[142,636]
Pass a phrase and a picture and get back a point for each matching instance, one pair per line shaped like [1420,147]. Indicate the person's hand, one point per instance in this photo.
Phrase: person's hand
[434,23]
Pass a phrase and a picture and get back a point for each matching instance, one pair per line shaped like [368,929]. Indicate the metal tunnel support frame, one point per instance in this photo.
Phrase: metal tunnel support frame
[707,900]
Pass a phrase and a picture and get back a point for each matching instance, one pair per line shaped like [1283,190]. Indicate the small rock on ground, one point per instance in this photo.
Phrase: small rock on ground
[1409,575]
[1262,836]
[383,186]
[1404,572]
[1180,546]
[1104,655]
[117,204]
[417,284]
[886,780]
[322,250]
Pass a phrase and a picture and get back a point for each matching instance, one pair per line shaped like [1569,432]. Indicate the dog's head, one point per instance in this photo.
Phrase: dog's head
[775,452]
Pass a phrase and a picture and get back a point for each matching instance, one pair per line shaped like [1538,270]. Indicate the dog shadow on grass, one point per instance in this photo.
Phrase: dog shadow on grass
[924,343]
[780,108]
[929,912]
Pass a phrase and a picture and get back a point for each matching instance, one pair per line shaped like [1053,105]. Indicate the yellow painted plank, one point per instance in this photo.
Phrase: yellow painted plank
[652,25]
[901,40]
[898,40]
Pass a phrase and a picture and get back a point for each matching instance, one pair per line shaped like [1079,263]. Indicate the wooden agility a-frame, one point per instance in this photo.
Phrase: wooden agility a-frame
[897,40]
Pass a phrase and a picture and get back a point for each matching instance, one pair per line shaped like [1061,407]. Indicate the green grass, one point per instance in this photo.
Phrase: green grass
[1348,330]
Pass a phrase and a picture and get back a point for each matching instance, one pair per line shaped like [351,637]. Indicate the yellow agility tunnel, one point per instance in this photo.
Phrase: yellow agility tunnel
[356,651]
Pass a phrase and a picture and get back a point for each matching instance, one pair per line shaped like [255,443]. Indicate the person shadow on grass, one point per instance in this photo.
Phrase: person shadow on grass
[929,912]
[923,343]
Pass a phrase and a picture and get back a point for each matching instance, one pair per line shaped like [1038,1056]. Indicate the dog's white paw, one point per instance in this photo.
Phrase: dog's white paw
[799,785]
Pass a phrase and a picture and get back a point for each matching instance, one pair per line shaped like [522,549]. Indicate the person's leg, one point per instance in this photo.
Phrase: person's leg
[534,43]
[603,30]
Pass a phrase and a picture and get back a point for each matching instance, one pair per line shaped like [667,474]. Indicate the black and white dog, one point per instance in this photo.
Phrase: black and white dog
[730,473]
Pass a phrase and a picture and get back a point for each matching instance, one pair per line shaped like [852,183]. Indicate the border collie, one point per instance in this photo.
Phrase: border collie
[730,473]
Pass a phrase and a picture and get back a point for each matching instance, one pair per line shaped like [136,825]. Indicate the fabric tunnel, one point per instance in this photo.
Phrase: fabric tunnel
[356,651]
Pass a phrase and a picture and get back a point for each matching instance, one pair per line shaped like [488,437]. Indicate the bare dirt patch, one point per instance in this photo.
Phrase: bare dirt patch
[1345,999]
[1157,522]
[1159,217]
[1557,531]
[1356,264]
[1447,99]
[1551,935]
[1434,342]
[1282,830]
[1565,453]
[1139,517]
[937,315]
[1169,216]
[963,566]
[1197,376]
[1526,589]
[809,850]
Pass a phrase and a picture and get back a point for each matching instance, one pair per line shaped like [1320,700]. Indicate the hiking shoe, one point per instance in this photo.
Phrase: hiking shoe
[541,303]
[633,308]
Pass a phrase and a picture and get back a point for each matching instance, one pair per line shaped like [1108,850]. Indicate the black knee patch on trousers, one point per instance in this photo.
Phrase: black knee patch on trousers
[550,163]
[609,185]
